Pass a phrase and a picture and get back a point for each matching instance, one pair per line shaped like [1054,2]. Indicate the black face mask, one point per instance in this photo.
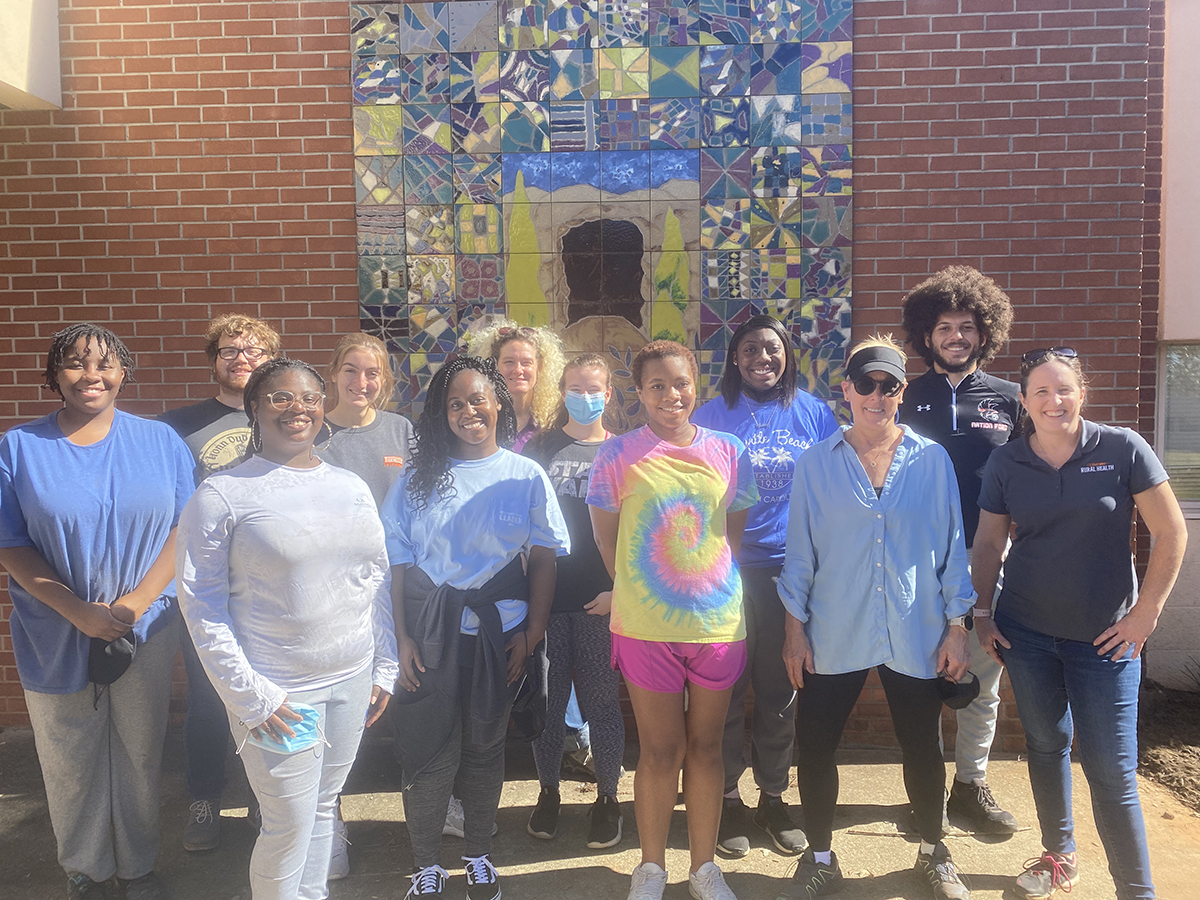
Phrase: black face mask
[958,695]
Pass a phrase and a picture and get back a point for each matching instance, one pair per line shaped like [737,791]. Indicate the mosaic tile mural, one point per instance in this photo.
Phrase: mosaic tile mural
[617,170]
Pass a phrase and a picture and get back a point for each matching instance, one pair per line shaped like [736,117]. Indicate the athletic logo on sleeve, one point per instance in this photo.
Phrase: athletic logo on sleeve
[924,407]
[988,411]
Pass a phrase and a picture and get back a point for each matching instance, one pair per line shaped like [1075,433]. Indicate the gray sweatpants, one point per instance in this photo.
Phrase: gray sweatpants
[101,766]
[771,734]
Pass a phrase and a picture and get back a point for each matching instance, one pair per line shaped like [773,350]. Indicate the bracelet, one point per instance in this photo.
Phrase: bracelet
[978,612]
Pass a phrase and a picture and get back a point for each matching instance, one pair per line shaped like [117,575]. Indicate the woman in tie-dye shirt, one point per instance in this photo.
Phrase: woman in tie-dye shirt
[669,503]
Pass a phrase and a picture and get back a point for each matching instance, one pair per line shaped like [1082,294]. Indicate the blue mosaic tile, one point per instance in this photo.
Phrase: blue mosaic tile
[725,172]
[675,123]
[725,224]
[536,170]
[827,273]
[376,81]
[828,67]
[624,124]
[522,24]
[675,71]
[424,78]
[777,275]
[725,70]
[726,121]
[828,170]
[426,127]
[525,75]
[624,72]
[475,127]
[724,274]
[624,23]
[826,20]
[572,24]
[432,328]
[378,181]
[777,172]
[476,178]
[524,127]
[474,25]
[428,179]
[573,74]
[425,28]
[776,68]
[776,120]
[389,323]
[474,77]
[721,22]
[429,229]
[622,171]
[380,231]
[568,169]
[382,280]
[573,125]
[668,22]
[828,222]
[374,28]
[776,222]
[780,21]
[826,119]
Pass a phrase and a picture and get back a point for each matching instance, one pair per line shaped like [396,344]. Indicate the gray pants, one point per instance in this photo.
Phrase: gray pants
[771,734]
[977,722]
[101,766]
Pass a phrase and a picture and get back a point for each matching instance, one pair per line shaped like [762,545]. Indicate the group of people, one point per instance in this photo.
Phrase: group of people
[335,566]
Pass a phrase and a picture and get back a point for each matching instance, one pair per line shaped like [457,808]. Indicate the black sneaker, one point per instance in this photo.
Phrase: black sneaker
[203,828]
[483,882]
[939,870]
[543,823]
[80,887]
[148,887]
[813,879]
[772,816]
[605,830]
[974,803]
[733,837]
[428,882]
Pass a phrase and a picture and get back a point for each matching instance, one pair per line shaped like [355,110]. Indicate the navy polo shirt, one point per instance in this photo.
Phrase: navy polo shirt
[1070,572]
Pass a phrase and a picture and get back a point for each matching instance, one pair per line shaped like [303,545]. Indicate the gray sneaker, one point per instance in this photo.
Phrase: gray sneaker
[80,887]
[1046,874]
[203,828]
[148,887]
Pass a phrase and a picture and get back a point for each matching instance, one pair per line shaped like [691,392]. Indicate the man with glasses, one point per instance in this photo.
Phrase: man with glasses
[957,321]
[217,432]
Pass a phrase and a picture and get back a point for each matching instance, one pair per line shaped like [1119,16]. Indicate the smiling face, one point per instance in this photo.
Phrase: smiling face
[288,432]
[358,380]
[517,362]
[761,358]
[232,374]
[472,412]
[1053,397]
[90,378]
[956,342]
[874,410]
[668,391]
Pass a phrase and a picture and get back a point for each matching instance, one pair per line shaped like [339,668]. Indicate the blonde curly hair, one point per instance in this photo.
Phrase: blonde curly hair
[488,342]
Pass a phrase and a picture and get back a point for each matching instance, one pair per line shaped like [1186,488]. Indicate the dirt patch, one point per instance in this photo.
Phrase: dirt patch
[1169,740]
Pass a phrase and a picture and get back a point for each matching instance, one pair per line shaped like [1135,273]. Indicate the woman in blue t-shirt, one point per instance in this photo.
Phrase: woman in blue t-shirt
[89,500]
[461,523]
[1070,622]
[761,404]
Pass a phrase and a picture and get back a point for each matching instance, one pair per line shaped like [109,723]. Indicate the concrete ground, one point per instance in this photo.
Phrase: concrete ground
[876,854]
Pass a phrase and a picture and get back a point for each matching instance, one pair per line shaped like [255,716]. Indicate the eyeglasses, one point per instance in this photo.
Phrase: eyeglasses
[252,354]
[284,399]
[1033,357]
[866,385]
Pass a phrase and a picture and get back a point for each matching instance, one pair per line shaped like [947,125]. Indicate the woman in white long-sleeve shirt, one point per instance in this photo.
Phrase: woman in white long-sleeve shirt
[283,580]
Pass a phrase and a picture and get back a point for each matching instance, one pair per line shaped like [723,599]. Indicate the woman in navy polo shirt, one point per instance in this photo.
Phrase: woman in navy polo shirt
[1070,623]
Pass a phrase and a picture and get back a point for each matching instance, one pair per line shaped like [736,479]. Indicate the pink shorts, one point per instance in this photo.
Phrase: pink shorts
[665,666]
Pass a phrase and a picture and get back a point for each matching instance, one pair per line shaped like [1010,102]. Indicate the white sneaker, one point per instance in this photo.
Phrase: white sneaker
[454,820]
[648,883]
[707,883]
[339,855]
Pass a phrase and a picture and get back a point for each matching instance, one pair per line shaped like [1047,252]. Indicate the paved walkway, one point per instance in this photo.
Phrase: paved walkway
[876,855]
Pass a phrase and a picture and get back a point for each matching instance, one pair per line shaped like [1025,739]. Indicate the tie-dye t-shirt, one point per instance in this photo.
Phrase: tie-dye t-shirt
[676,579]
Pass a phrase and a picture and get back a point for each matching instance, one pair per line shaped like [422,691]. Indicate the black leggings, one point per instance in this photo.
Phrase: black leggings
[821,713]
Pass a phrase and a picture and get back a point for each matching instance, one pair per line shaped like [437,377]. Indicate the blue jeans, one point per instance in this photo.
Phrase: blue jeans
[1062,688]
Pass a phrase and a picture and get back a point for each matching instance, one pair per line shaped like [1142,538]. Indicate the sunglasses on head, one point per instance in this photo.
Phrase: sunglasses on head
[1033,357]
[866,385]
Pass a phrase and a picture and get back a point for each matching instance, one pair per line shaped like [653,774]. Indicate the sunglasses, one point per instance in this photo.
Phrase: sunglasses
[866,385]
[1033,357]
[232,353]
[284,399]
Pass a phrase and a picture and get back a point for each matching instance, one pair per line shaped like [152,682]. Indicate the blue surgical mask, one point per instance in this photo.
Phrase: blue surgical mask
[584,408]
[308,733]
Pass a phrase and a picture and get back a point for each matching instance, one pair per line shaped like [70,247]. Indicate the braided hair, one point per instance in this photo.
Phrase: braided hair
[256,385]
[107,344]
[435,442]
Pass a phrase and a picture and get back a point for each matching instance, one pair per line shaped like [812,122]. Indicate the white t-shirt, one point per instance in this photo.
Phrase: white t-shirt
[284,583]
[501,506]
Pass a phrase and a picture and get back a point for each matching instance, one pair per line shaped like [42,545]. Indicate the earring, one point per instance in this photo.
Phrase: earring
[317,443]
[255,439]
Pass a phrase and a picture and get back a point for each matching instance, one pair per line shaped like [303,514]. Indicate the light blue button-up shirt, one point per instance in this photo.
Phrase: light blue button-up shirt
[875,579]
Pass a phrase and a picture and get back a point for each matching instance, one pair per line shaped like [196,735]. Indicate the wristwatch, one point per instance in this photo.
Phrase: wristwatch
[962,622]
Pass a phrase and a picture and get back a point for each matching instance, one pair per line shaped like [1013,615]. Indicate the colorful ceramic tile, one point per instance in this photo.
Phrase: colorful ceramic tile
[382,280]
[534,169]
[622,171]
[776,68]
[719,319]
[570,169]
[525,75]
[828,170]
[725,224]
[725,70]
[378,130]
[827,272]
[573,74]
[725,172]
[827,119]
[477,228]
[624,72]
[424,28]
[725,121]
[380,230]
[376,81]
[474,25]
[479,314]
[374,28]
[624,23]
[624,124]
[430,279]
[425,78]
[775,119]
[426,127]
[826,20]
[823,323]
[711,365]
[780,21]
[571,24]
[423,367]
[479,282]
[777,171]
[820,374]
[429,229]
[474,77]
[431,327]
[668,22]
[721,22]
[573,125]
[475,127]
[476,178]
[428,179]
[676,170]
[777,275]
[524,127]
[389,323]
[522,24]
[675,71]
[776,222]
[828,67]
[675,123]
[724,274]
[828,222]
[378,181]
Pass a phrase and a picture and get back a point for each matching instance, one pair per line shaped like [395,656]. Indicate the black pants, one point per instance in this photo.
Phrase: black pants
[822,709]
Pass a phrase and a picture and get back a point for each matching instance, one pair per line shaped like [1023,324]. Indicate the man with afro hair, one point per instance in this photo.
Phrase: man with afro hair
[957,321]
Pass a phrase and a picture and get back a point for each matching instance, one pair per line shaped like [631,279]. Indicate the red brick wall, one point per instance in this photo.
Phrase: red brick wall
[202,162]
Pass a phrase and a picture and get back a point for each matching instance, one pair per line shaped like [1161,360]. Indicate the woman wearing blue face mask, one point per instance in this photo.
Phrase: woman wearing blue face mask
[577,637]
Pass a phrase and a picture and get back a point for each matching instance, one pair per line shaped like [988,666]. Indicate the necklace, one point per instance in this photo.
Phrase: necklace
[887,448]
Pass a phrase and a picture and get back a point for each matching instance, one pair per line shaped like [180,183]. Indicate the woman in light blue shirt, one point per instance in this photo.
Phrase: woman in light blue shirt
[874,575]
